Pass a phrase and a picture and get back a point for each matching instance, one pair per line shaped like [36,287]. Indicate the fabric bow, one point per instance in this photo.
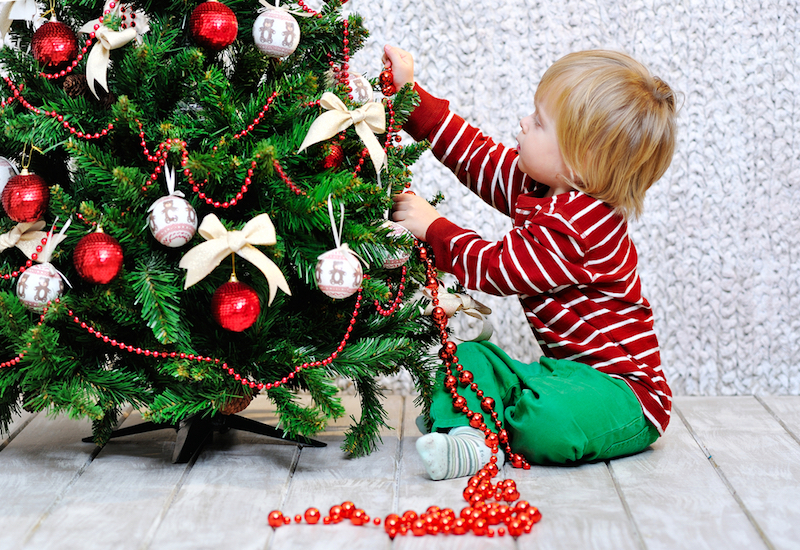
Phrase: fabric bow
[203,258]
[368,119]
[100,57]
[16,10]
[27,236]
[453,302]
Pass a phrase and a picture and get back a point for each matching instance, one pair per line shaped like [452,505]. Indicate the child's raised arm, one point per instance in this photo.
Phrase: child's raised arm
[401,63]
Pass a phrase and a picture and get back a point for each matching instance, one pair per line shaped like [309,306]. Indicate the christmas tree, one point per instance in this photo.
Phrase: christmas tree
[201,215]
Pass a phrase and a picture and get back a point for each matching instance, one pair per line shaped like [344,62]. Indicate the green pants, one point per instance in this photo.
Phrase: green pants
[555,411]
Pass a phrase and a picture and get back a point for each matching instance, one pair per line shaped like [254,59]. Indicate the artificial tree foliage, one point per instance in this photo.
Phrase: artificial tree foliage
[201,107]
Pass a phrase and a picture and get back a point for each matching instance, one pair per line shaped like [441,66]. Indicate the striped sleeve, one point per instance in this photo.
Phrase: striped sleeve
[533,259]
[489,169]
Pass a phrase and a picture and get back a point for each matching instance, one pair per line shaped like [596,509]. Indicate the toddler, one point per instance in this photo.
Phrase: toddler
[602,132]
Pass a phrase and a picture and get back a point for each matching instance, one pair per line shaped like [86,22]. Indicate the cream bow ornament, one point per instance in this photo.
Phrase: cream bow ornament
[368,119]
[203,258]
[100,57]
[16,10]
[27,236]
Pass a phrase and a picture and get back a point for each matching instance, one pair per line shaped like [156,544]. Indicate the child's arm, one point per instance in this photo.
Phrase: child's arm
[535,258]
[414,213]
[489,169]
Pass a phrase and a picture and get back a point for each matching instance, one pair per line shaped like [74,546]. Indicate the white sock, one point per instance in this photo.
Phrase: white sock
[461,452]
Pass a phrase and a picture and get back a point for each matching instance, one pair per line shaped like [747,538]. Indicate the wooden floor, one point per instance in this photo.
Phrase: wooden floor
[725,476]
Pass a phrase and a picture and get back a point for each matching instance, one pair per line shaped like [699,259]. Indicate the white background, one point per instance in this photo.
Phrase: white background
[718,241]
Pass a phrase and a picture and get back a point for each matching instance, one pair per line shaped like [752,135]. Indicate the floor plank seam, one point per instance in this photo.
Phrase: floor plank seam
[725,481]
[637,535]
[17,430]
[286,490]
[778,420]
[398,471]
[57,500]
[148,538]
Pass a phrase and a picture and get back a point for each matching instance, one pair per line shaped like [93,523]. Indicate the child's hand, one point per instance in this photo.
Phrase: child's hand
[401,63]
[414,213]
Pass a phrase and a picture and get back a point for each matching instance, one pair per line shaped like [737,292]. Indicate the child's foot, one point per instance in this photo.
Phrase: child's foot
[462,452]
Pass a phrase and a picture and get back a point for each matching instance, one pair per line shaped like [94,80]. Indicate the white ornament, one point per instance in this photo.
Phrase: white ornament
[172,220]
[40,284]
[360,88]
[7,171]
[338,273]
[401,254]
[276,33]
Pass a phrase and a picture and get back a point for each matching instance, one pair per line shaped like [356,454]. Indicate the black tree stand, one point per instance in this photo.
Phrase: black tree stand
[195,431]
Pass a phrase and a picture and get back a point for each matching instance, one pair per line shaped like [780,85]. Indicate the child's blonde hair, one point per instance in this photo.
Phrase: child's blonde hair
[615,125]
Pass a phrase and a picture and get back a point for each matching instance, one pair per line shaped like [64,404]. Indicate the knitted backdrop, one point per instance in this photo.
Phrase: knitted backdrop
[719,259]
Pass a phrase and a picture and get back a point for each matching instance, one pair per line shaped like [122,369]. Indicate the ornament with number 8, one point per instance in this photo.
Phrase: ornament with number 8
[39,285]
[172,221]
[338,273]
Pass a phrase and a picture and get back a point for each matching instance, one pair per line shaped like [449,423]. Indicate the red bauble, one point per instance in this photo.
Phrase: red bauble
[235,306]
[54,44]
[334,155]
[387,83]
[213,25]
[98,258]
[25,197]
[275,519]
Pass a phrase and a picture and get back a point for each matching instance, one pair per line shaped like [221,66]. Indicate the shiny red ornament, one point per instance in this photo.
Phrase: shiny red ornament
[447,351]
[487,404]
[347,509]
[54,44]
[275,519]
[25,197]
[312,516]
[387,83]
[439,315]
[515,528]
[235,306]
[213,25]
[418,527]
[476,420]
[334,156]
[359,517]
[98,258]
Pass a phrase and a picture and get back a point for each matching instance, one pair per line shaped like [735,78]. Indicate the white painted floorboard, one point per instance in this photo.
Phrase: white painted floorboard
[725,476]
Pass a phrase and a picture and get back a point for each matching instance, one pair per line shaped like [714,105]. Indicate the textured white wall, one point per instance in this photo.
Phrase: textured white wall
[718,242]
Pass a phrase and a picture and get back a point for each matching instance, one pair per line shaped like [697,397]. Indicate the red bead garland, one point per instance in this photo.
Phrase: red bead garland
[289,183]
[309,10]
[481,514]
[398,299]
[53,114]
[481,517]
[204,359]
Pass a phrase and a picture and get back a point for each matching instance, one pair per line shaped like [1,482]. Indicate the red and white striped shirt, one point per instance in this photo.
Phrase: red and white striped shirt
[568,257]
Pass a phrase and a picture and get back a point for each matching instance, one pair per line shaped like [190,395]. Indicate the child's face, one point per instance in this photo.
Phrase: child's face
[539,154]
